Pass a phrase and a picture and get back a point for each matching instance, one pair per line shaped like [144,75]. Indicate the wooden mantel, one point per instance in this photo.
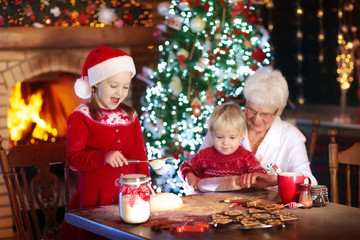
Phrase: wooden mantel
[73,37]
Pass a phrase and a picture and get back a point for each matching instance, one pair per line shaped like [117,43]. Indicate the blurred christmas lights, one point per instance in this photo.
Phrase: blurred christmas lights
[94,13]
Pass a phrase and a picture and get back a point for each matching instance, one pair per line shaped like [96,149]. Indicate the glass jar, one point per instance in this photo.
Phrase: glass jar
[319,195]
[305,197]
[134,198]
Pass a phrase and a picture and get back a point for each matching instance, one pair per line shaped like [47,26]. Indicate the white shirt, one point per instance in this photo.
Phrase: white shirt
[283,145]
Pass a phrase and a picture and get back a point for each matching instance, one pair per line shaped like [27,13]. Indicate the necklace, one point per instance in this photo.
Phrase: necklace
[255,143]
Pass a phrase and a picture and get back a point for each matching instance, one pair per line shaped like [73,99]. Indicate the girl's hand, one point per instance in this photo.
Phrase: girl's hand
[192,180]
[116,159]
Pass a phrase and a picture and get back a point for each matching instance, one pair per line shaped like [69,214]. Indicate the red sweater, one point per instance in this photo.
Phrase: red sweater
[210,163]
[87,143]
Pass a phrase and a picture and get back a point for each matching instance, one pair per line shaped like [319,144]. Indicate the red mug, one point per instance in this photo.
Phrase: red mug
[289,186]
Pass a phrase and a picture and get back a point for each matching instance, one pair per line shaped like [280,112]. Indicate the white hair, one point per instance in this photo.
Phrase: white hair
[267,87]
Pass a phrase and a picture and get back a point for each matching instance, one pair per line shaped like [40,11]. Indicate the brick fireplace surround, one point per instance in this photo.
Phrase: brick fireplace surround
[29,52]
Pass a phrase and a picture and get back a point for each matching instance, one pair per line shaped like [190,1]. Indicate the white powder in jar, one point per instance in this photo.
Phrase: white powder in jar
[138,213]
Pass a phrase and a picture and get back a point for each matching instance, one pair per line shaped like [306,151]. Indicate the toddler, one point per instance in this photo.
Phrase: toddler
[227,126]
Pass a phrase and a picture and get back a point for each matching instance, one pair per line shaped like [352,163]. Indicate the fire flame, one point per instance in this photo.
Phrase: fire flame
[21,115]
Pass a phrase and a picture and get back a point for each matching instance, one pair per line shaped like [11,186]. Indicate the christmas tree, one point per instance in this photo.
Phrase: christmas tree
[210,48]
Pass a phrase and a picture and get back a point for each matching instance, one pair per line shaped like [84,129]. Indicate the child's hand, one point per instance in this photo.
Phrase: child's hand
[247,180]
[256,180]
[192,180]
[116,159]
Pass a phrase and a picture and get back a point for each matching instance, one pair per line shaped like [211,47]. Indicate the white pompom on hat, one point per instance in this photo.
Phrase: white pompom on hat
[101,63]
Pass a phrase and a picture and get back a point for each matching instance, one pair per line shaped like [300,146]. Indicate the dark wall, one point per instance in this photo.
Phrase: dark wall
[320,85]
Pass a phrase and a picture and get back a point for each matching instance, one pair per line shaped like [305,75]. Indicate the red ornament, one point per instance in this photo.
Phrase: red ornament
[58,22]
[234,82]
[238,7]
[220,94]
[181,59]
[92,7]
[83,18]
[258,55]
[226,50]
[129,17]
[18,2]
[233,15]
[245,14]
[157,34]
[197,72]
[253,18]
[246,34]
[206,6]
[253,67]
[191,3]
[175,151]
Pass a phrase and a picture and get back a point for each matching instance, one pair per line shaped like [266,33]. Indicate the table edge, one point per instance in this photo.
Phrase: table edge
[95,227]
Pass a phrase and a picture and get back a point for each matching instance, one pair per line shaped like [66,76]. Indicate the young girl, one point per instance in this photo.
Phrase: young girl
[227,127]
[103,133]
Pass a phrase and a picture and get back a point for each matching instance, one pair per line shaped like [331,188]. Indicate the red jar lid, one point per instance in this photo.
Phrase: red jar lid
[305,187]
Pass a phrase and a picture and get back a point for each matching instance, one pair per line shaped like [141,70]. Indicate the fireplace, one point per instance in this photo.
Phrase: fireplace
[52,58]
[39,107]
[50,73]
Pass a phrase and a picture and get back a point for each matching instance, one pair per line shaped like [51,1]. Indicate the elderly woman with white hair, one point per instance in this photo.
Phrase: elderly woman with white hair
[272,140]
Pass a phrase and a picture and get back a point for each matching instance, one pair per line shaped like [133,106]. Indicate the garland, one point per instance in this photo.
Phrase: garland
[74,13]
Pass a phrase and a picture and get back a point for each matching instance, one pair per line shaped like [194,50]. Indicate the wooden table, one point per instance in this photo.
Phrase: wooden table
[331,222]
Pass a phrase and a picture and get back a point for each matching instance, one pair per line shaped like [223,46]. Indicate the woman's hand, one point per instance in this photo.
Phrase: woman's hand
[192,181]
[116,159]
[256,180]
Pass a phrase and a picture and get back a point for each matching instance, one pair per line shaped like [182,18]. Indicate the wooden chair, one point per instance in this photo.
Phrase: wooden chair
[350,156]
[35,192]
[312,139]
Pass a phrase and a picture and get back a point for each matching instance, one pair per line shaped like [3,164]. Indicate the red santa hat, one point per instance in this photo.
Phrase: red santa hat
[101,63]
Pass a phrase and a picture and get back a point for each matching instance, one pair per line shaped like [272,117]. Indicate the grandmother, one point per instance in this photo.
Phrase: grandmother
[272,140]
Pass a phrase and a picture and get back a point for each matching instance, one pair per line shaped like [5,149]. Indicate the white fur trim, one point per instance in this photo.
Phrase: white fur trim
[110,68]
[82,88]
